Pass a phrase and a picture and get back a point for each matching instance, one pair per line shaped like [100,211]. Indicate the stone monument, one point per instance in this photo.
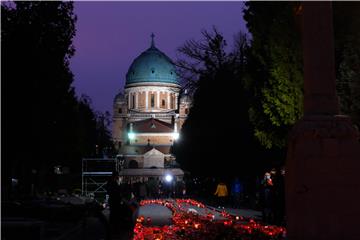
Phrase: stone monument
[323,161]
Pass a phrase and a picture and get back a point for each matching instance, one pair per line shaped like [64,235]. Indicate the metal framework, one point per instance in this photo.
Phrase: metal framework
[95,173]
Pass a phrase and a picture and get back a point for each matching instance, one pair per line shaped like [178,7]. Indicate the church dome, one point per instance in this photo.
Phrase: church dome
[152,66]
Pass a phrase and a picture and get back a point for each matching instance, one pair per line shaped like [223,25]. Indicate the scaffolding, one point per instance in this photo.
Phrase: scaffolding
[97,171]
[95,174]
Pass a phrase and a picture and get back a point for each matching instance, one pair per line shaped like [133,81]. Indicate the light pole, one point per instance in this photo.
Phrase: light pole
[169,181]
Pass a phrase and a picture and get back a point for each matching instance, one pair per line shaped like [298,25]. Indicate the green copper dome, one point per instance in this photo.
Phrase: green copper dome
[152,66]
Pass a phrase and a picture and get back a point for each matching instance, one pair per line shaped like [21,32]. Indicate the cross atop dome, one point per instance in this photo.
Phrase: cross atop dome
[152,40]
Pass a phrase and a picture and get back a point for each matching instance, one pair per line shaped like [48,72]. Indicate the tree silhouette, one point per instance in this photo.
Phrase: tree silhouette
[45,124]
[217,133]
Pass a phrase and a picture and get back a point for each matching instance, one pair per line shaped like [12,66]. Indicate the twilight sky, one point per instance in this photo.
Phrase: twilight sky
[111,34]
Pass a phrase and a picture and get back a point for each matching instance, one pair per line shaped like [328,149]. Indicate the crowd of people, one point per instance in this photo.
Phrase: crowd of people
[266,194]
[270,196]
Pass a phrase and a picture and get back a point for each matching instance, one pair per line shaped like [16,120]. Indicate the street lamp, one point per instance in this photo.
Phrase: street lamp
[168,178]
[176,135]
[169,185]
[131,135]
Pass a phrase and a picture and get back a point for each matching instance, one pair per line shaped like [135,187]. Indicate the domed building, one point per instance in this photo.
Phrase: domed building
[148,115]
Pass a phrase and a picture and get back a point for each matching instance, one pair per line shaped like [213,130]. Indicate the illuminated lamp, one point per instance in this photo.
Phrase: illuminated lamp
[176,135]
[168,178]
[131,135]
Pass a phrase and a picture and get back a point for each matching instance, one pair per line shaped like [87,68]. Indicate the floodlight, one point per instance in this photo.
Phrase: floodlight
[131,135]
[176,135]
[168,178]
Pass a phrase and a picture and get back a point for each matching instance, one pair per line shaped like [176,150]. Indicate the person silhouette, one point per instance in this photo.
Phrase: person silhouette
[221,193]
[114,191]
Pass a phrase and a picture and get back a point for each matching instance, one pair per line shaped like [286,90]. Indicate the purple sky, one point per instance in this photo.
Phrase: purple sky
[111,34]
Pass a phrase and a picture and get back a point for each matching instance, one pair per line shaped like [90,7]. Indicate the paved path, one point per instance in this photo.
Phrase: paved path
[161,215]
[244,212]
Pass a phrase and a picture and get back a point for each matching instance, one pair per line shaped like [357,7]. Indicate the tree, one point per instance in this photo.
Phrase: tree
[347,56]
[219,113]
[103,135]
[87,125]
[45,124]
[348,82]
[39,99]
[94,138]
[275,66]
[274,70]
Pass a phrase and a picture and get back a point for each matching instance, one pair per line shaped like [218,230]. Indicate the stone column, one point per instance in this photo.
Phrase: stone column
[168,100]
[129,100]
[136,100]
[322,168]
[176,100]
[158,99]
[146,100]
[319,64]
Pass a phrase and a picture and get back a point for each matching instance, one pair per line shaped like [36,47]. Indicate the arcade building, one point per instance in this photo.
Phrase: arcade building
[148,115]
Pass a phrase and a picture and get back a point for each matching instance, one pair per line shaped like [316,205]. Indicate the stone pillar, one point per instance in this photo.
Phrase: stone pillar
[322,168]
[129,100]
[136,100]
[158,99]
[176,100]
[319,64]
[146,100]
[168,100]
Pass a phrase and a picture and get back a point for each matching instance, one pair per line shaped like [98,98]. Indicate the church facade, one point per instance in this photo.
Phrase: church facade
[148,115]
